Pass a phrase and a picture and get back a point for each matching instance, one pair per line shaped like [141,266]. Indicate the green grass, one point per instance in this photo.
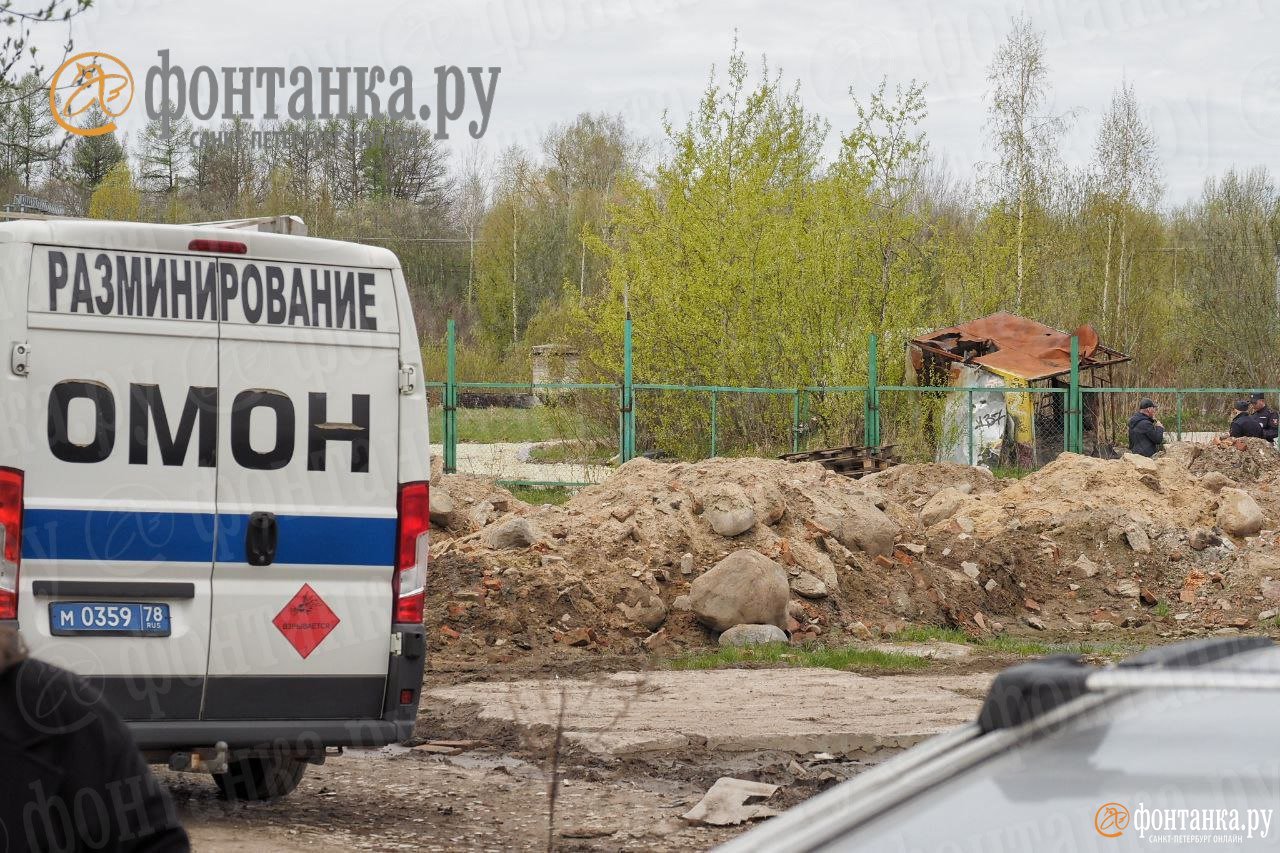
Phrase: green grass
[781,654]
[1011,645]
[1161,609]
[537,495]
[484,426]
[575,452]
[1010,472]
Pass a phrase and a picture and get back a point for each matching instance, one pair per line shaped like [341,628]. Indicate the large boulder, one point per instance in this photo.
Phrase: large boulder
[515,532]
[816,563]
[1216,481]
[809,586]
[728,510]
[745,588]
[1238,513]
[1142,463]
[865,528]
[441,506]
[648,611]
[752,635]
[944,504]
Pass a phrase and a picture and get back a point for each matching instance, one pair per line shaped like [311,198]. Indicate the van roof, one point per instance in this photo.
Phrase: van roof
[149,237]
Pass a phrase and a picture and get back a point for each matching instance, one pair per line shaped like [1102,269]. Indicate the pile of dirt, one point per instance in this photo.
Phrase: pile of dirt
[913,485]
[610,570]
[1244,460]
[1082,544]
[1072,489]
[469,503]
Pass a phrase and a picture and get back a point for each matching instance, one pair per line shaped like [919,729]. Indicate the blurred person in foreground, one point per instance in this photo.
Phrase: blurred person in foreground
[1146,434]
[71,777]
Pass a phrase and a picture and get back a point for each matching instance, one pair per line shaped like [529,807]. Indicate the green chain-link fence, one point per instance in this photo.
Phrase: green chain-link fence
[571,433]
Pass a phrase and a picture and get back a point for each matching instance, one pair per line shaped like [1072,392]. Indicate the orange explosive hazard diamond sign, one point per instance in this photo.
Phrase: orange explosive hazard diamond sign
[306,620]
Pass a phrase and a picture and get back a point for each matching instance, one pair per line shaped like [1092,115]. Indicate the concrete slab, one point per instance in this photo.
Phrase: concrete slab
[733,710]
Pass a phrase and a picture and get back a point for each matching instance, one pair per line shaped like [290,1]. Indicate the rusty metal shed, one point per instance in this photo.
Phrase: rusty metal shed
[1005,349]
[1011,344]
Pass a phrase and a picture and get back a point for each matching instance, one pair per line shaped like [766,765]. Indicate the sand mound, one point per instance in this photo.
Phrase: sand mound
[913,485]
[612,565]
[1244,460]
[476,501]
[1161,492]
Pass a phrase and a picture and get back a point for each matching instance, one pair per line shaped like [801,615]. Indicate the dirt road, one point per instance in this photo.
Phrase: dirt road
[637,752]
[509,460]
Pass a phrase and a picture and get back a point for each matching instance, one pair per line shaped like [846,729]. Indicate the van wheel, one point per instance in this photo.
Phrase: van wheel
[260,777]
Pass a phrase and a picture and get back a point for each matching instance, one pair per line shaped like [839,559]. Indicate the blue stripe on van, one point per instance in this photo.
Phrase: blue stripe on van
[189,537]
[309,539]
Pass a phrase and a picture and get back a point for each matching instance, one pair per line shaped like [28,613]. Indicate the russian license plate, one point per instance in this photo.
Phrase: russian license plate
[126,619]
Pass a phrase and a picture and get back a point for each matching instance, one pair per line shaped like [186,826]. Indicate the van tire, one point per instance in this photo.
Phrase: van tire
[260,777]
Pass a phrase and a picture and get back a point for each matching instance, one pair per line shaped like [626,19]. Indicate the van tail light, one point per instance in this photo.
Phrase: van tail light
[220,247]
[11,537]
[413,541]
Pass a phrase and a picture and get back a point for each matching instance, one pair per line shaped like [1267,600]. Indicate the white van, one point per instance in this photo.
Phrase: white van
[213,486]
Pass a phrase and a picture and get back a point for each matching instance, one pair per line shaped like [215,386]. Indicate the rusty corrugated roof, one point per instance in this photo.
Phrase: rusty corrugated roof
[1017,345]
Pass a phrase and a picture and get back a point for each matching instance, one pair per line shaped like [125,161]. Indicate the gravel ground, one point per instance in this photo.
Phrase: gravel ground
[623,792]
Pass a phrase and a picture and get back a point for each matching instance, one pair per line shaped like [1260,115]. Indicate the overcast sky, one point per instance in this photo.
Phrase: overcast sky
[1208,73]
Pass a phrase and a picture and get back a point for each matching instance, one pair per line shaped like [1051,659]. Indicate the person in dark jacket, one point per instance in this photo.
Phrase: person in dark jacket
[71,777]
[1269,419]
[1146,434]
[1246,423]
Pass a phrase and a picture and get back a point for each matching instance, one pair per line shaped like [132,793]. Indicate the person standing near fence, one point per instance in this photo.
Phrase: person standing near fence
[1146,434]
[1269,419]
[1246,423]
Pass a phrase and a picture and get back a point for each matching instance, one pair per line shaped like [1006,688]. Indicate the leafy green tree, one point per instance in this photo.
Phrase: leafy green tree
[116,197]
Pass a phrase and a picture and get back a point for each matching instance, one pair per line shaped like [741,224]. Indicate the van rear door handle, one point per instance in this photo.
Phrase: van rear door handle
[260,539]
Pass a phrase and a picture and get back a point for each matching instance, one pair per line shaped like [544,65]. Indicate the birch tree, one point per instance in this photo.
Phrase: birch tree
[1127,176]
[1024,135]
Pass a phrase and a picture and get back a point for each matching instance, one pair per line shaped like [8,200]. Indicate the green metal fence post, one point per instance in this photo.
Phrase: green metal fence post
[1177,413]
[627,422]
[1074,427]
[795,422]
[871,402]
[450,402]
[713,424]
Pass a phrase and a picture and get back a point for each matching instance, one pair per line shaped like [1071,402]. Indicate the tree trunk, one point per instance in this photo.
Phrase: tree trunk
[471,264]
[1106,272]
[886,261]
[515,267]
[1022,213]
[1122,280]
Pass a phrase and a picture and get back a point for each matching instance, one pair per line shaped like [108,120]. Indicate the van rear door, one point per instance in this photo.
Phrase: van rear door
[307,481]
[119,403]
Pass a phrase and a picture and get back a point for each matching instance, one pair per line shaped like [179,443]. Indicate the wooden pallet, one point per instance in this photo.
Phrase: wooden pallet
[852,461]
